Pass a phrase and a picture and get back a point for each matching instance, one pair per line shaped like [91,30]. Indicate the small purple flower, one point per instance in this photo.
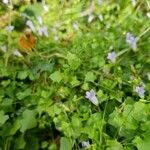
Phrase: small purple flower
[112,56]
[30,25]
[131,40]
[85,144]
[140,91]
[43,31]
[9,28]
[92,97]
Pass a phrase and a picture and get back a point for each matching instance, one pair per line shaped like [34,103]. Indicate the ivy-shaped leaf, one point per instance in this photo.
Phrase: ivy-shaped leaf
[28,121]
[56,76]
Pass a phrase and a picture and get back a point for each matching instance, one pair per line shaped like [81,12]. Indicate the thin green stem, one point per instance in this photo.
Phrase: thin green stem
[103,118]
[9,35]
[119,130]
[143,33]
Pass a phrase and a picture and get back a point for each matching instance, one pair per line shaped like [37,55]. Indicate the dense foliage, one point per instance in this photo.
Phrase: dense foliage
[81,81]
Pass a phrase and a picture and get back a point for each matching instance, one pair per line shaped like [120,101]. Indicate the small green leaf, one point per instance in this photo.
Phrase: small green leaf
[143,144]
[3,117]
[73,61]
[56,76]
[65,144]
[28,121]
[23,74]
[16,125]
[24,94]
[90,77]
[114,145]
[20,142]
[5,83]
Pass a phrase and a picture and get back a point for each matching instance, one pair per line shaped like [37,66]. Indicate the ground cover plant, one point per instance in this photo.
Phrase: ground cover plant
[74,75]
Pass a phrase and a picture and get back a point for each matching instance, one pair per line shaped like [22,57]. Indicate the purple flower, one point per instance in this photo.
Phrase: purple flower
[30,25]
[9,28]
[85,144]
[43,31]
[92,97]
[112,56]
[140,91]
[131,40]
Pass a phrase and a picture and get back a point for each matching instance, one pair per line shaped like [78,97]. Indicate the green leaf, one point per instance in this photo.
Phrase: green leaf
[113,145]
[20,143]
[28,121]
[75,82]
[5,83]
[32,143]
[3,117]
[16,125]
[143,144]
[56,76]
[24,94]
[90,77]
[73,61]
[23,74]
[65,144]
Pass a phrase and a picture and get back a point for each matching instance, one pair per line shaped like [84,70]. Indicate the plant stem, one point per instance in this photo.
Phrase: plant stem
[101,128]
[9,35]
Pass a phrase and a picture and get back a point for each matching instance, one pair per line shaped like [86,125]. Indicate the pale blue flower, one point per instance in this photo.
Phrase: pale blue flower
[29,23]
[131,40]
[85,144]
[43,31]
[140,91]
[91,95]
[9,28]
[112,56]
